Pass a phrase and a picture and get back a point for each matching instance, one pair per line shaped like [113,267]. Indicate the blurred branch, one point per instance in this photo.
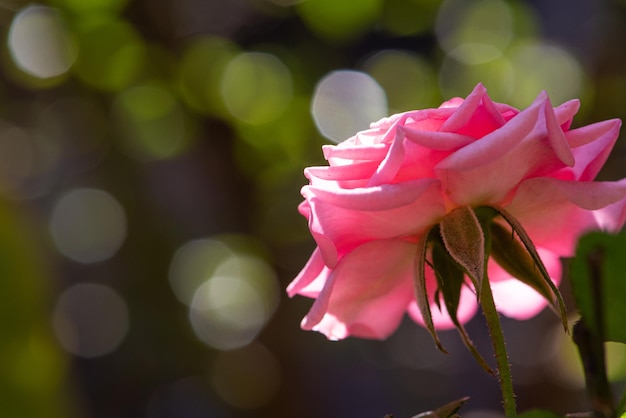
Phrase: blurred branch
[589,338]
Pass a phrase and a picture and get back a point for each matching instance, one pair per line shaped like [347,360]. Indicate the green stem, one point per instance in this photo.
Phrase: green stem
[497,340]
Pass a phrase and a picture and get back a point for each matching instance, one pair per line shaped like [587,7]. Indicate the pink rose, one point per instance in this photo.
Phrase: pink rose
[387,186]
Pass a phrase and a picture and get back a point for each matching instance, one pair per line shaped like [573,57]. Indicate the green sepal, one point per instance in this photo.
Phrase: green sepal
[450,280]
[464,240]
[527,265]
[511,255]
[421,294]
[448,410]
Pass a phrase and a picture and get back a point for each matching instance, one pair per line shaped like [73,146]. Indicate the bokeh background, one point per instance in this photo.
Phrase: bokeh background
[151,156]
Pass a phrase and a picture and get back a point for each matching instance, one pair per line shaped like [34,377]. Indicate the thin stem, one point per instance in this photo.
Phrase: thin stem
[497,340]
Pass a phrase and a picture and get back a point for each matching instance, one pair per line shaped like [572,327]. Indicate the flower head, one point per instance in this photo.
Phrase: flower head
[392,192]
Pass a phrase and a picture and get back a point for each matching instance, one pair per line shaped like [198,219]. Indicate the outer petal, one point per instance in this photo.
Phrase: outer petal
[314,269]
[514,298]
[593,144]
[348,153]
[556,213]
[367,293]
[612,217]
[341,176]
[341,220]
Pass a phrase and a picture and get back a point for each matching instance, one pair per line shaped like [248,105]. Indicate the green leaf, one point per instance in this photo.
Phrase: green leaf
[598,269]
[450,279]
[518,229]
[464,240]
[421,294]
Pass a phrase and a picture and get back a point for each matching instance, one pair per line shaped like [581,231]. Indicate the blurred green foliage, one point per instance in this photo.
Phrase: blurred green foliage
[597,274]
[34,377]
[196,116]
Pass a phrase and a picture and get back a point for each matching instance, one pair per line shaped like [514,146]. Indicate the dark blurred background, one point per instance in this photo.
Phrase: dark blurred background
[151,156]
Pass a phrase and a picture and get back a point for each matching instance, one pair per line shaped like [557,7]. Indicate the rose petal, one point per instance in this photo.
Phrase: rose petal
[392,162]
[339,222]
[556,136]
[556,213]
[476,116]
[565,113]
[367,293]
[612,217]
[377,198]
[311,271]
[495,144]
[516,299]
[483,173]
[341,176]
[593,144]
[441,141]
[348,154]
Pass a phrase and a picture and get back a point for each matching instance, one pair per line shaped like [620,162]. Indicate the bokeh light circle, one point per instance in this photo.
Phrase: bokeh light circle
[256,87]
[90,320]
[200,73]
[230,307]
[88,225]
[346,102]
[193,264]
[40,44]
[474,32]
[339,20]
[91,6]
[151,123]
[457,79]
[112,54]
[543,66]
[408,80]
